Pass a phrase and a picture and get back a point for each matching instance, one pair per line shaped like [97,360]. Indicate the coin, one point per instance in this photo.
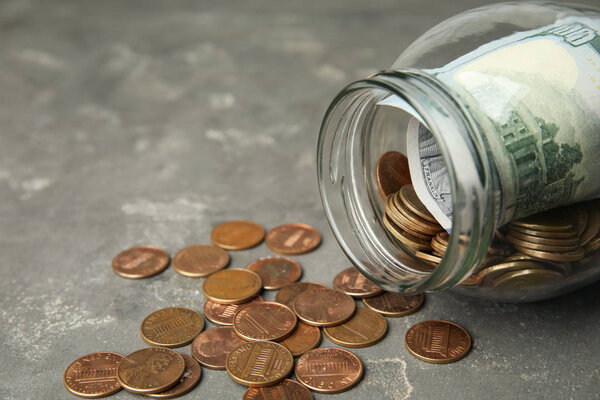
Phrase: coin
[393,304]
[286,390]
[188,381]
[575,255]
[140,262]
[276,272]
[490,273]
[353,283]
[264,321]
[293,239]
[432,259]
[547,234]
[93,375]
[541,246]
[171,327]
[287,294]
[329,370]
[409,197]
[304,338]
[323,307]
[391,173]
[520,236]
[200,260]
[211,347]
[237,235]
[405,238]
[526,279]
[259,364]
[151,370]
[438,342]
[365,328]
[222,314]
[232,286]
[548,221]
[402,222]
[412,219]
[593,222]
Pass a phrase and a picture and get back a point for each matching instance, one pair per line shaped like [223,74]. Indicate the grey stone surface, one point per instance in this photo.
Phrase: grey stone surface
[130,122]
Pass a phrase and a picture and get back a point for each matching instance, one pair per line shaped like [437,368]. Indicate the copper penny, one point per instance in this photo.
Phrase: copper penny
[171,327]
[287,294]
[200,260]
[232,286]
[259,364]
[264,321]
[222,314]
[438,342]
[365,328]
[392,173]
[286,390]
[188,381]
[211,347]
[237,235]
[93,375]
[324,307]
[393,304]
[140,262]
[353,283]
[329,370]
[304,338]
[293,239]
[151,370]
[276,272]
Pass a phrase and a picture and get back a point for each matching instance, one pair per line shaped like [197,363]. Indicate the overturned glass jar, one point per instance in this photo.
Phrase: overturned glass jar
[473,163]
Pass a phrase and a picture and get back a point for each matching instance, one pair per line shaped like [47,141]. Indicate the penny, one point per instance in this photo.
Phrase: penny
[189,380]
[405,238]
[264,321]
[140,262]
[93,375]
[323,307]
[200,260]
[151,370]
[237,235]
[304,338]
[525,279]
[575,255]
[222,314]
[329,370]
[393,304]
[409,197]
[548,221]
[259,364]
[211,347]
[171,327]
[286,390]
[353,283]
[490,273]
[438,342]
[276,272]
[232,286]
[392,173]
[413,220]
[293,239]
[365,328]
[287,294]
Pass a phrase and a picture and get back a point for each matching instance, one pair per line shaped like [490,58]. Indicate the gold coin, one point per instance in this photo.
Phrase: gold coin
[237,235]
[324,307]
[438,342]
[365,328]
[547,234]
[541,246]
[575,255]
[413,219]
[429,258]
[200,260]
[554,220]
[151,370]
[188,381]
[409,197]
[171,327]
[437,246]
[303,339]
[258,364]
[232,286]
[526,279]
[405,238]
[562,267]
[489,274]
[518,235]
[393,304]
[405,224]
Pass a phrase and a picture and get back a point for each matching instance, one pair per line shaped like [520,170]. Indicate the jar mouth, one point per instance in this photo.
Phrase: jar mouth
[362,124]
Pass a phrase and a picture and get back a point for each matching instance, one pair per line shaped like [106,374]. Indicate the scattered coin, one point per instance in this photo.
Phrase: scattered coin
[93,375]
[258,364]
[293,239]
[395,304]
[237,235]
[438,342]
[287,294]
[232,286]
[304,338]
[286,390]
[200,260]
[276,272]
[222,314]
[151,370]
[329,370]
[353,283]
[140,262]
[324,307]
[365,328]
[264,321]
[211,347]
[392,173]
[171,327]
[189,380]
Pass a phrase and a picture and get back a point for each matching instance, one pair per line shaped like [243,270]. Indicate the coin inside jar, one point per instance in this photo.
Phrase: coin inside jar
[353,283]
[329,370]
[188,381]
[151,370]
[393,304]
[259,364]
[276,272]
[304,338]
[264,321]
[365,328]
[324,307]
[288,389]
[171,327]
[438,342]
[200,260]
[287,294]
[232,286]
[237,235]
[211,347]
[140,262]
[93,375]
[392,173]
[293,239]
[222,314]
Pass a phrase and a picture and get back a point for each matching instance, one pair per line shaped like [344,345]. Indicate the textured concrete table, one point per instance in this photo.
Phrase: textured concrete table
[125,123]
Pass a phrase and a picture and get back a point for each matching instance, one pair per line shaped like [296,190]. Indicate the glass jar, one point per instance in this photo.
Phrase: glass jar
[498,109]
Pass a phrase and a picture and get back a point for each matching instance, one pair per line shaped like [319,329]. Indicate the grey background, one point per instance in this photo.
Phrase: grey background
[126,122]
